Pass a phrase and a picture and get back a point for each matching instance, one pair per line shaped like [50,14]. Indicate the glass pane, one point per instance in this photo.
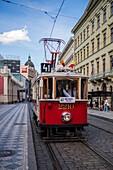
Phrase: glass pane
[50,88]
[45,88]
[67,88]
[83,88]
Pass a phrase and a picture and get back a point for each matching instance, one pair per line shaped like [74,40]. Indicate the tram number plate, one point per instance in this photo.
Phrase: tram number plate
[67,99]
[66,106]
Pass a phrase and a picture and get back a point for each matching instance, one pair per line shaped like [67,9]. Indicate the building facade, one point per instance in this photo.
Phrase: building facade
[93,36]
[9,86]
[68,53]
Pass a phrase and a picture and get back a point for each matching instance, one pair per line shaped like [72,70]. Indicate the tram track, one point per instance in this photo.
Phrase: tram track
[111,132]
[99,154]
[57,154]
[55,161]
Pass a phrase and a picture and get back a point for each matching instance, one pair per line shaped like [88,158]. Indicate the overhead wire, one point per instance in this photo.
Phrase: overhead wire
[56,18]
[46,12]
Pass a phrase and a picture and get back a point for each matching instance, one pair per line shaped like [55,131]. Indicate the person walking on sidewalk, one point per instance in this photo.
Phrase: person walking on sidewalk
[106,105]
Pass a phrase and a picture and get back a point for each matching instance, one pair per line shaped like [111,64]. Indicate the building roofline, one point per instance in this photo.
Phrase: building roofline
[88,9]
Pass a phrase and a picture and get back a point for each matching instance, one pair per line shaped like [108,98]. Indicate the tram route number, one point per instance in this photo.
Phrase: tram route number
[45,67]
[66,106]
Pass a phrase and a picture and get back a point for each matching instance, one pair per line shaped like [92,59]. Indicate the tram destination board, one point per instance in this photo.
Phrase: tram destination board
[45,67]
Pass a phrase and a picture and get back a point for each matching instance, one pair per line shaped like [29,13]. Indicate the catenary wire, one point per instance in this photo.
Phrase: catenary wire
[46,12]
[56,17]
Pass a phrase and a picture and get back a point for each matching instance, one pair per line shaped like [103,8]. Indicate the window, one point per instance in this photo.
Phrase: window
[93,27]
[87,31]
[92,47]
[87,70]
[111,8]
[81,55]
[111,34]
[84,89]
[84,35]
[84,71]
[98,43]
[84,53]
[47,88]
[75,43]
[103,65]
[67,88]
[98,22]
[111,62]
[97,67]
[104,39]
[87,50]
[81,37]
[104,15]
[78,57]
[78,40]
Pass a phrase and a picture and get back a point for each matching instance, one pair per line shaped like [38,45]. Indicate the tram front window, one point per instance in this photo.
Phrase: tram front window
[67,88]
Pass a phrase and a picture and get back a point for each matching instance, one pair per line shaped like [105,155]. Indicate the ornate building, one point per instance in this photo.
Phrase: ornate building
[28,71]
[93,36]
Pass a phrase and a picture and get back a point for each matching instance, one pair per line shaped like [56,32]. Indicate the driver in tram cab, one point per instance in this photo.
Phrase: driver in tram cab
[61,92]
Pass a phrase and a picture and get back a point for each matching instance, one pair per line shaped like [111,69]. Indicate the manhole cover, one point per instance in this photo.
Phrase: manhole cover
[6,153]
[20,123]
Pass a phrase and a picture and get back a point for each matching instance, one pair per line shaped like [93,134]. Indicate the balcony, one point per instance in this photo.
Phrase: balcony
[102,76]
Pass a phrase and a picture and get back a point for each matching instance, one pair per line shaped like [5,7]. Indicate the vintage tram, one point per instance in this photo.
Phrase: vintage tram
[60,108]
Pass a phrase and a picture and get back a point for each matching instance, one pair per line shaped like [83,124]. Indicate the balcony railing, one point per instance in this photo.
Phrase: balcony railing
[101,74]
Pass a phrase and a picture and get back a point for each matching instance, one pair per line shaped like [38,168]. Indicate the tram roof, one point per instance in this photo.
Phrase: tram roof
[62,74]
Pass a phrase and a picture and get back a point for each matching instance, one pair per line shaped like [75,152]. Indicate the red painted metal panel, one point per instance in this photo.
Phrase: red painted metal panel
[1,85]
[54,110]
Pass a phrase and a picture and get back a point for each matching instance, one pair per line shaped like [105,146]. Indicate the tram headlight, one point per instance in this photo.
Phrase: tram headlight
[66,117]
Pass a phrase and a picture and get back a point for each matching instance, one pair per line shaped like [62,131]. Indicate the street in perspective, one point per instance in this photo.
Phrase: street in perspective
[56,85]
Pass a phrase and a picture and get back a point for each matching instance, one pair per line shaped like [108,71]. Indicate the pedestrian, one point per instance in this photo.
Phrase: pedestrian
[106,105]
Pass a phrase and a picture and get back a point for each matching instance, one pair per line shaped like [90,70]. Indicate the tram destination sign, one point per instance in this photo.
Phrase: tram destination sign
[67,99]
[45,67]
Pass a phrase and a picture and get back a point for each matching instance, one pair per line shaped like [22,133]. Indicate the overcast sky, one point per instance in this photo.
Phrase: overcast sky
[23,25]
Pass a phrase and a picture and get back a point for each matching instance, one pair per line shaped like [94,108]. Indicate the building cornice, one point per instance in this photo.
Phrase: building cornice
[90,7]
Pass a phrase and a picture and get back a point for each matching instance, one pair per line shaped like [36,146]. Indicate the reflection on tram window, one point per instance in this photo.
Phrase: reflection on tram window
[67,88]
[83,89]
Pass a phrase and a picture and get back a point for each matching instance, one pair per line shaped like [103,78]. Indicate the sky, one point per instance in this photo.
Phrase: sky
[23,24]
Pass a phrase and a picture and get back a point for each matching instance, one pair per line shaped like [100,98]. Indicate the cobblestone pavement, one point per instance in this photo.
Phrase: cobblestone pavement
[42,157]
[78,156]
[107,115]
[74,155]
[14,136]
[101,140]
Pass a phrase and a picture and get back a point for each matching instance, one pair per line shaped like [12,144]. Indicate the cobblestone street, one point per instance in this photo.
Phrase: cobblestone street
[14,136]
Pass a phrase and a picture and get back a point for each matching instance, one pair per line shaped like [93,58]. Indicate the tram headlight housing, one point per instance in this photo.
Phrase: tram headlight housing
[66,117]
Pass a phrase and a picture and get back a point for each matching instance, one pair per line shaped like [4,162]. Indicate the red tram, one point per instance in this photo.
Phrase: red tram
[61,103]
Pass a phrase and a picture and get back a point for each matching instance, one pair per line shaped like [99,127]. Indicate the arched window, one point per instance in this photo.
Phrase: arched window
[104,87]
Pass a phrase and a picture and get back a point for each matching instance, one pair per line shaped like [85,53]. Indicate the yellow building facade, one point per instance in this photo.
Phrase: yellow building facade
[93,35]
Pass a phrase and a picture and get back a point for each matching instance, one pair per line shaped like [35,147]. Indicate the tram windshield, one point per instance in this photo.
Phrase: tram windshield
[67,88]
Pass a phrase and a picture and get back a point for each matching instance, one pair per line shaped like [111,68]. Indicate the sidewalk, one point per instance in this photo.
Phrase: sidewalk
[106,115]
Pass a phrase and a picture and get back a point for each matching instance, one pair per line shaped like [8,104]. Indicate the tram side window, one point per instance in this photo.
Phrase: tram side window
[67,88]
[83,89]
[50,88]
[47,88]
